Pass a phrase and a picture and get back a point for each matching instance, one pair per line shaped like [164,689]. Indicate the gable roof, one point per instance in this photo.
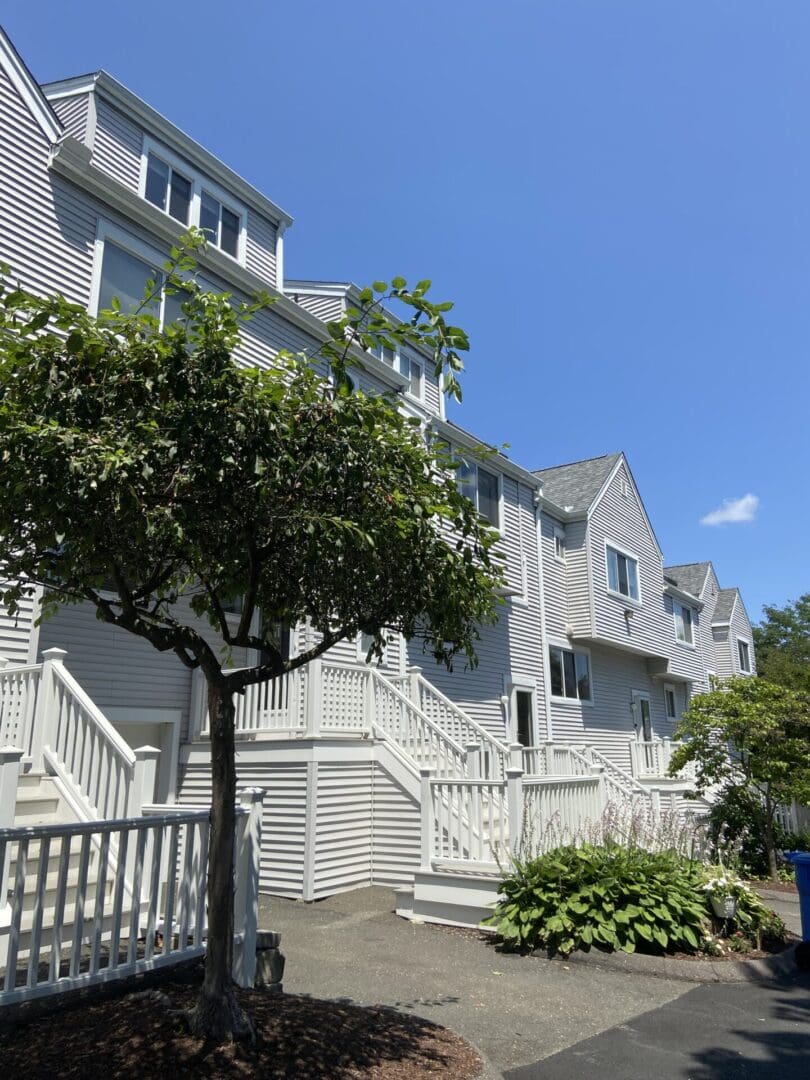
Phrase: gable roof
[29,89]
[574,487]
[689,576]
[724,606]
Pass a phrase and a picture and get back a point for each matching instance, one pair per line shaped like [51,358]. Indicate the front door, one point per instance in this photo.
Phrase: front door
[641,715]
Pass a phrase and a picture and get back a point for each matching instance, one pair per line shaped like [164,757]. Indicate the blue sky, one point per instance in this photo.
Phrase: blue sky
[616,194]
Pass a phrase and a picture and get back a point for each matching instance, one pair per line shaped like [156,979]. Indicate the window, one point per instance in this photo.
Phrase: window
[124,276]
[559,544]
[167,189]
[220,225]
[169,183]
[364,643]
[570,674]
[622,574]
[411,371]
[684,623]
[482,488]
[671,702]
[745,656]
[232,605]
[523,717]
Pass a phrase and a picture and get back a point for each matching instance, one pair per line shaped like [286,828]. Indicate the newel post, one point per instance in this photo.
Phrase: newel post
[516,755]
[655,799]
[473,760]
[42,725]
[414,687]
[314,688]
[144,776]
[246,899]
[514,802]
[10,757]
[426,774]
[198,712]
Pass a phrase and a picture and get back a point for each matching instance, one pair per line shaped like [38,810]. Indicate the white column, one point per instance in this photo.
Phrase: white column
[426,773]
[313,703]
[514,802]
[45,711]
[144,775]
[198,708]
[10,757]
[413,683]
[246,899]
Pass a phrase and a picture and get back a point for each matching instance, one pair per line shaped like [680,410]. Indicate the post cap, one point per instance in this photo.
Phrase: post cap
[10,753]
[55,655]
[146,753]
[249,796]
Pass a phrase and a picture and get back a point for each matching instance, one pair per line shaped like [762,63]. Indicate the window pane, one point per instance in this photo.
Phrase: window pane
[488,503]
[125,276]
[679,622]
[687,625]
[229,241]
[583,676]
[387,355]
[570,672]
[180,197]
[670,695]
[559,545]
[523,702]
[157,180]
[624,587]
[745,664]
[632,578]
[613,570]
[414,373]
[555,671]
[465,477]
[209,217]
[646,726]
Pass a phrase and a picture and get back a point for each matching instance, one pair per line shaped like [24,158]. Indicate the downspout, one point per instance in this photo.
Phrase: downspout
[538,524]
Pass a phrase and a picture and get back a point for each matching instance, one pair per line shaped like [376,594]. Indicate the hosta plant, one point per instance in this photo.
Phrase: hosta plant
[610,897]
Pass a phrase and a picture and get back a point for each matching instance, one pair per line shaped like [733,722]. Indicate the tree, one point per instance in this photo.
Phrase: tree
[782,643]
[141,467]
[752,737]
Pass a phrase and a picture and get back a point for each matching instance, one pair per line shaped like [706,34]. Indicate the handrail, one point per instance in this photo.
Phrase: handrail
[422,715]
[613,770]
[90,828]
[117,741]
[474,731]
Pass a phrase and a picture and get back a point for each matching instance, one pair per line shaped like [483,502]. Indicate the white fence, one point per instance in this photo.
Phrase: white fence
[19,687]
[101,900]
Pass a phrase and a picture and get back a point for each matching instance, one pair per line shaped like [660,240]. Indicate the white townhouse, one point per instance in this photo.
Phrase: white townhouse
[390,773]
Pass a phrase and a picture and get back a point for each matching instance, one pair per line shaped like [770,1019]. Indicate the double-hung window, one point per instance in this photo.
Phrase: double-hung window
[684,623]
[744,654]
[171,185]
[559,544]
[482,488]
[622,571]
[167,188]
[570,674]
[671,702]
[411,371]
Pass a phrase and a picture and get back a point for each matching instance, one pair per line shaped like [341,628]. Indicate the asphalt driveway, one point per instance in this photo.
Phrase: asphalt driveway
[521,1011]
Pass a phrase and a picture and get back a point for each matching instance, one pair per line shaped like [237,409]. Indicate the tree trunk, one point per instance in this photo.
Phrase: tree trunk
[217,1015]
[770,843]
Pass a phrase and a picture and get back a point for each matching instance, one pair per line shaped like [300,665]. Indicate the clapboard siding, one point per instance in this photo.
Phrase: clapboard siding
[396,832]
[577,562]
[118,669]
[327,308]
[48,233]
[554,580]
[118,145]
[343,826]
[260,248]
[17,632]
[723,661]
[73,112]
[619,520]
[741,628]
[685,660]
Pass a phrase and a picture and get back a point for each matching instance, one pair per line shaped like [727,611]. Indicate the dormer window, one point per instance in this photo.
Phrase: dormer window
[167,188]
[482,488]
[684,623]
[220,225]
[171,184]
[622,573]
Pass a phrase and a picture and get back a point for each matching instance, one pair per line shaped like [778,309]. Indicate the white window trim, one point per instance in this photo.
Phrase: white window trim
[459,452]
[199,183]
[693,617]
[106,230]
[561,643]
[670,688]
[750,669]
[612,546]
[526,684]
[412,360]
[559,533]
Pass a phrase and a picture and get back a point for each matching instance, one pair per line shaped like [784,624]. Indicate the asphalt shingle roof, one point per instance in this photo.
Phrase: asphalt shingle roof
[689,576]
[724,605]
[576,485]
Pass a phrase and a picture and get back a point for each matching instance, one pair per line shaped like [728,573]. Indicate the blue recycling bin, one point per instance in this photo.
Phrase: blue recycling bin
[801,867]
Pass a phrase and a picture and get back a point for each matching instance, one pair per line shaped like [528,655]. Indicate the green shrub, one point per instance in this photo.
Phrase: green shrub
[611,897]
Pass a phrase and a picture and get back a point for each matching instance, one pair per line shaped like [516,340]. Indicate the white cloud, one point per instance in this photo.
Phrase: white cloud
[733,511]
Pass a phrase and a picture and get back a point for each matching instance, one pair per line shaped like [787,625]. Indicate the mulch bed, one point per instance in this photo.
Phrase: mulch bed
[135,1036]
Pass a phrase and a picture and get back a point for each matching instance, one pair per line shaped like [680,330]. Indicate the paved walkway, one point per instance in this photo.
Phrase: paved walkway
[785,904]
[516,1010]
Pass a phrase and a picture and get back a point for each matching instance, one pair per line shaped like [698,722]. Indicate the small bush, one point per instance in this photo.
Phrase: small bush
[611,897]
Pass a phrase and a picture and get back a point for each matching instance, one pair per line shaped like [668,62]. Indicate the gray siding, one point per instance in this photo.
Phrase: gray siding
[118,145]
[723,661]
[17,632]
[577,569]
[555,583]
[741,628]
[686,660]
[260,248]
[73,112]
[396,833]
[326,308]
[619,519]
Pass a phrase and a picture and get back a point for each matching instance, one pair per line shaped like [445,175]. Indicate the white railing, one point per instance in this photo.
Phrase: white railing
[19,686]
[343,700]
[652,758]
[620,785]
[75,919]
[555,759]
[270,706]
[396,717]
[454,722]
[557,809]
[79,742]
[464,821]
